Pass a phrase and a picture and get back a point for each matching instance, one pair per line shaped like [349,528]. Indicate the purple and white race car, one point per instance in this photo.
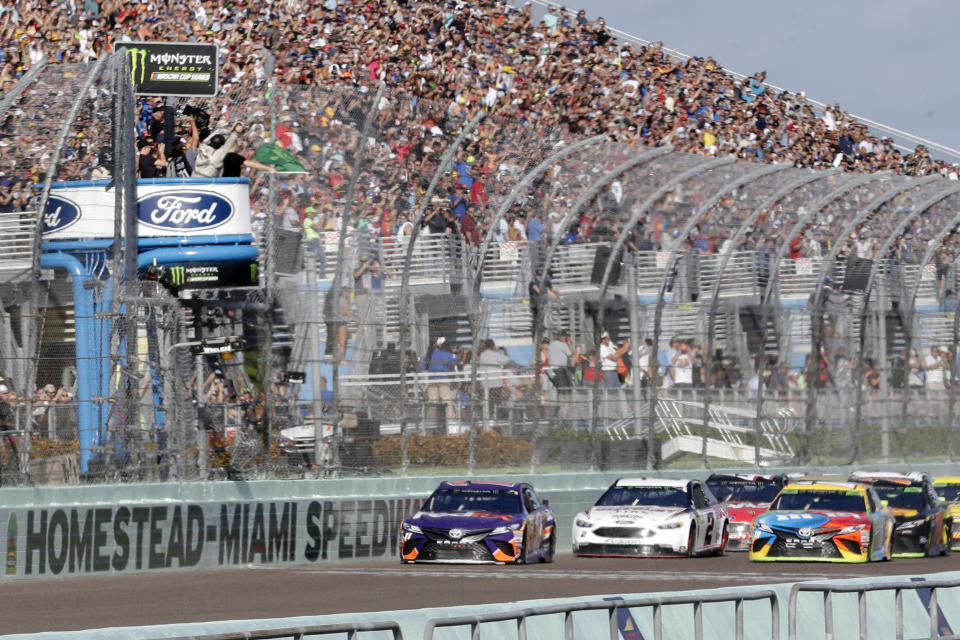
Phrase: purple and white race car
[480,522]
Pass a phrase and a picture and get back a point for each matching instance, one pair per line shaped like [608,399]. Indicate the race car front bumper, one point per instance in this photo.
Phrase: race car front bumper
[912,541]
[633,541]
[437,547]
[839,548]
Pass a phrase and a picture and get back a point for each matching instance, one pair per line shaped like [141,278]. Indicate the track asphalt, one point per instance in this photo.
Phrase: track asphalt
[159,598]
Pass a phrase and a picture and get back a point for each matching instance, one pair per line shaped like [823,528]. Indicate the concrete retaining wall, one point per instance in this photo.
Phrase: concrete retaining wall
[82,530]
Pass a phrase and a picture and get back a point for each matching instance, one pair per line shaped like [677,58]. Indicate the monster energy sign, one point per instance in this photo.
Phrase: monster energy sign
[204,275]
[173,68]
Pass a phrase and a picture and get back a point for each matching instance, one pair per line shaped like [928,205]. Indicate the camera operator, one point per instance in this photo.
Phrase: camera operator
[213,150]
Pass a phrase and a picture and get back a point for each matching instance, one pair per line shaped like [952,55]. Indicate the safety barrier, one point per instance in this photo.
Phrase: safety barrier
[931,604]
[688,615]
[352,629]
[612,607]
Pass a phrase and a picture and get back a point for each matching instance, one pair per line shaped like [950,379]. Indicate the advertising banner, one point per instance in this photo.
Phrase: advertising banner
[203,275]
[122,538]
[173,68]
[174,209]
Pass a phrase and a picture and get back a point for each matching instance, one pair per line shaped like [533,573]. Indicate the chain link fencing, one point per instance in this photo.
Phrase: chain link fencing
[757,315]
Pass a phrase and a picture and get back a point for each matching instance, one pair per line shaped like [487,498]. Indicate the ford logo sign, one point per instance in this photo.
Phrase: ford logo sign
[59,214]
[184,210]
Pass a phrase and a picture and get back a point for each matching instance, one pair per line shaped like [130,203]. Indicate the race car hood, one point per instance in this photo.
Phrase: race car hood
[795,520]
[746,511]
[469,520]
[634,515]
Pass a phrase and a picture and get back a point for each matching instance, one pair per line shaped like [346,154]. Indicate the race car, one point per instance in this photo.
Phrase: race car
[921,521]
[825,522]
[480,522]
[746,497]
[948,488]
[639,517]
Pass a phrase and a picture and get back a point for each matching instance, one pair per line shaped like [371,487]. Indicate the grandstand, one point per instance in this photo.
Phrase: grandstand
[802,258]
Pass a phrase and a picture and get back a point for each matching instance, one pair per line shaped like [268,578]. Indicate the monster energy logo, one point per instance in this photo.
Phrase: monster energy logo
[253,272]
[138,62]
[178,275]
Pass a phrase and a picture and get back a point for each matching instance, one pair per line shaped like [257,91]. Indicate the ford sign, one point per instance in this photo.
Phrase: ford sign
[60,214]
[184,210]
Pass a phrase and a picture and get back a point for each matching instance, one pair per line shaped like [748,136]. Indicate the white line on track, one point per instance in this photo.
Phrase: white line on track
[508,573]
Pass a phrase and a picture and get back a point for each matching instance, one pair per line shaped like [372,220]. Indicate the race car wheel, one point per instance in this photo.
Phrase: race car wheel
[723,541]
[522,558]
[945,539]
[551,550]
[691,542]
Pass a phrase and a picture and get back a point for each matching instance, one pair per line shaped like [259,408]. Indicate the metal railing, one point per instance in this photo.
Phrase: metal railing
[16,239]
[352,629]
[612,607]
[932,607]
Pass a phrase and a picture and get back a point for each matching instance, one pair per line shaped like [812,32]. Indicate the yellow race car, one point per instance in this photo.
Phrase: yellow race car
[825,522]
[948,488]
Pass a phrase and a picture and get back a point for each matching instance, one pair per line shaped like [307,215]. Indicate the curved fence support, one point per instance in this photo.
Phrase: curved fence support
[560,232]
[481,258]
[636,216]
[778,259]
[336,285]
[817,320]
[404,303]
[910,312]
[817,312]
[715,291]
[658,318]
[518,189]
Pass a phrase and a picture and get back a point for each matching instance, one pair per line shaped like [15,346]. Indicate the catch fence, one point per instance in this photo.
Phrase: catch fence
[775,316]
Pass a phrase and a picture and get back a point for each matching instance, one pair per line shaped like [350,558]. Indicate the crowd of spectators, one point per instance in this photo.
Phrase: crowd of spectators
[43,404]
[545,80]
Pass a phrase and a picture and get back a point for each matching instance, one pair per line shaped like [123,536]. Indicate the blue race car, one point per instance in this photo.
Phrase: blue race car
[480,522]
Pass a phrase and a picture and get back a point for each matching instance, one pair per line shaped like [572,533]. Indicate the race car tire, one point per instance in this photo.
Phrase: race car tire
[692,542]
[522,557]
[551,550]
[723,541]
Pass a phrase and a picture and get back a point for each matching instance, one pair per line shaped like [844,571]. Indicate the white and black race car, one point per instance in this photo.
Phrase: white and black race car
[641,517]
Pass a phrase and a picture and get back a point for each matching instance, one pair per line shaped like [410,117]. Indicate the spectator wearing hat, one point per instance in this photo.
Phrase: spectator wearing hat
[148,164]
[610,354]
[213,150]
[441,392]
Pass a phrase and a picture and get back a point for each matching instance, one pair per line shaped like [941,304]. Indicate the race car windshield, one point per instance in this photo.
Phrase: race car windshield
[744,490]
[646,496]
[949,492]
[484,500]
[796,500]
[902,497]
